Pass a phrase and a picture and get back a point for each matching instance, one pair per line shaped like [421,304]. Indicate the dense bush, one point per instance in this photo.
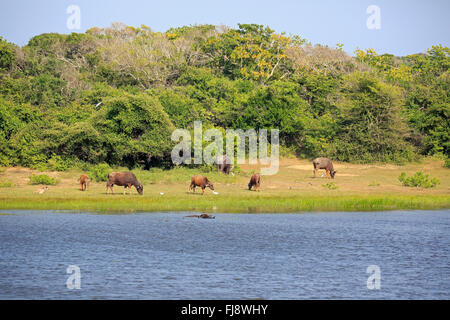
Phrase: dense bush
[43,179]
[99,173]
[371,127]
[114,95]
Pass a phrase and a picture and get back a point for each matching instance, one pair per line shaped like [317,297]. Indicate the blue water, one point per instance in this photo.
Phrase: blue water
[235,256]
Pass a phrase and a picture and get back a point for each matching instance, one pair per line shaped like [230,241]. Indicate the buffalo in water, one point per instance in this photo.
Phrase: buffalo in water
[324,163]
[126,179]
[201,216]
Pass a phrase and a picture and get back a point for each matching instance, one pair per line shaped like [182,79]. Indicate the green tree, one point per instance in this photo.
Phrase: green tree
[371,127]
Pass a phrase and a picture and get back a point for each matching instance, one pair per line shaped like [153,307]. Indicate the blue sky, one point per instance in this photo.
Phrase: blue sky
[407,26]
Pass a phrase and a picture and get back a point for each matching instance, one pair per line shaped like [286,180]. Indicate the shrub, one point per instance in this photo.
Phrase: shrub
[207,168]
[419,179]
[43,179]
[6,183]
[330,186]
[447,163]
[99,173]
[237,169]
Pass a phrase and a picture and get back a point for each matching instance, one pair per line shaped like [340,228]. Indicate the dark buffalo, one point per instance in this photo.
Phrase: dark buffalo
[84,182]
[324,163]
[201,216]
[200,181]
[224,164]
[126,179]
[255,181]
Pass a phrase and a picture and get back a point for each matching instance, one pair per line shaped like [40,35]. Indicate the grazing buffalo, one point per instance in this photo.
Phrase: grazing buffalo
[324,163]
[126,179]
[224,164]
[84,182]
[200,181]
[255,181]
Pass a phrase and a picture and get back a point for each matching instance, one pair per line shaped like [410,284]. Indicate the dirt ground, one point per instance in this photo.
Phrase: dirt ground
[294,176]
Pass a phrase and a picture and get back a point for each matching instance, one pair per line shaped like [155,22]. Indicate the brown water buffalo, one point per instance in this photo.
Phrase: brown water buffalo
[324,163]
[126,179]
[255,181]
[200,181]
[224,164]
[85,181]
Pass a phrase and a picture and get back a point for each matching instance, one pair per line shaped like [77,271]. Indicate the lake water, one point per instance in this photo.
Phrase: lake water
[235,256]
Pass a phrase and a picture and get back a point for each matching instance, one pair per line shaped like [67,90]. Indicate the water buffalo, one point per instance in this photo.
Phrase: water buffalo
[200,181]
[255,181]
[224,164]
[202,216]
[126,179]
[84,182]
[324,163]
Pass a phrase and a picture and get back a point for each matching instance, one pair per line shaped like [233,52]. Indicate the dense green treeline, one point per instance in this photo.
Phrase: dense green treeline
[114,96]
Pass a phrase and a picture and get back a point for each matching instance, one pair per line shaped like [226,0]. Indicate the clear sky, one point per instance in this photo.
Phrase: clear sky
[406,26]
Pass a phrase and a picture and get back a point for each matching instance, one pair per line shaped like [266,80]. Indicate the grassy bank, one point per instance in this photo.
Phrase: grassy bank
[237,204]
[293,189]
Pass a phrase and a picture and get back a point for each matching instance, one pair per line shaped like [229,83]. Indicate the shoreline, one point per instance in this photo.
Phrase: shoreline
[133,204]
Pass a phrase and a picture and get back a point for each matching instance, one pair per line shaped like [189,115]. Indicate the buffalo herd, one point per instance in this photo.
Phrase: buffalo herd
[128,179]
